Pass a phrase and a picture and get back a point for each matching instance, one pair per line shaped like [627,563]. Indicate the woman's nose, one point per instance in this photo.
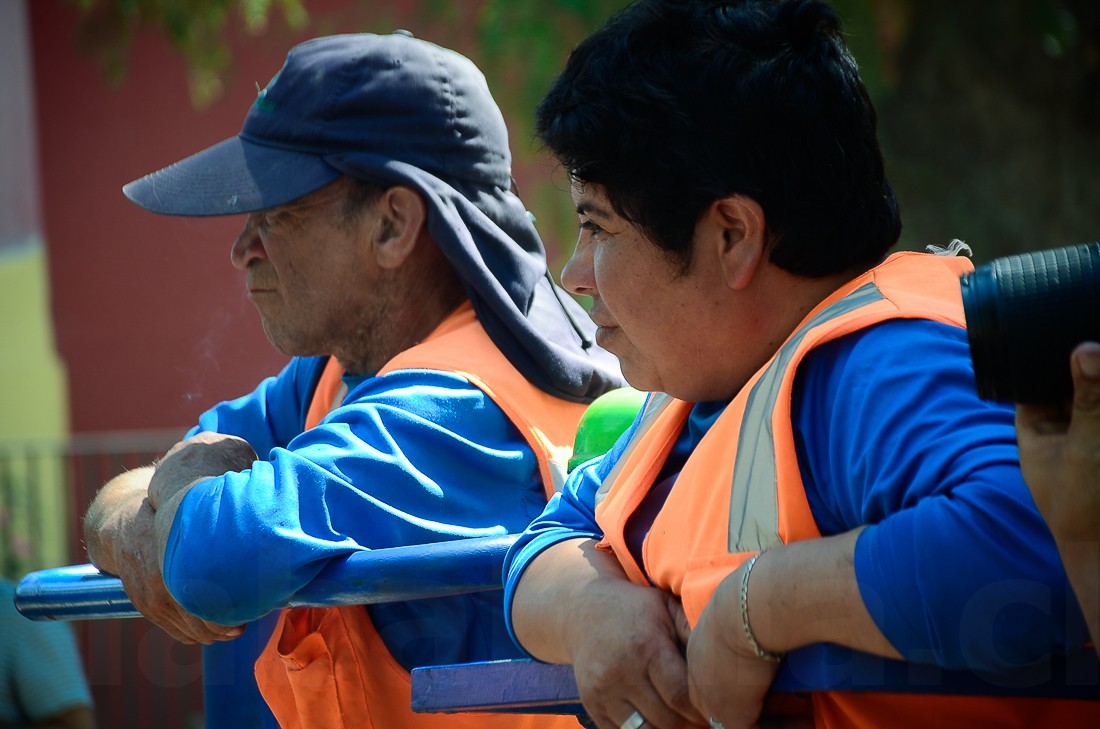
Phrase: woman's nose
[576,276]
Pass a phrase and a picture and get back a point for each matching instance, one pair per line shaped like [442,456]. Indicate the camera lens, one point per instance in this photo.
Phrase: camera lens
[1025,314]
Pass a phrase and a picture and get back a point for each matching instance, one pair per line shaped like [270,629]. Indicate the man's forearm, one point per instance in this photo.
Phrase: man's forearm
[202,456]
[128,522]
[111,514]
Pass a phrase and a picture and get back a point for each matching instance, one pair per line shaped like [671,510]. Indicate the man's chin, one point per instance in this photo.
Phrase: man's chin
[283,344]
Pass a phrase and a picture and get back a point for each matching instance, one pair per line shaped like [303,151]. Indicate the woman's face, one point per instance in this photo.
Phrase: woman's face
[665,324]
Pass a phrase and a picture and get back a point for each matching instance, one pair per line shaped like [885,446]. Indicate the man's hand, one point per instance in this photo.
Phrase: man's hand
[1060,459]
[202,456]
[127,526]
[139,568]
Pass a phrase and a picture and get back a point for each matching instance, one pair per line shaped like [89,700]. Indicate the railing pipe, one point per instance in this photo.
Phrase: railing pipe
[395,574]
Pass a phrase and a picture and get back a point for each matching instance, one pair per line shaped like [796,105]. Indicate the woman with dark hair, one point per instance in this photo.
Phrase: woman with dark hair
[813,465]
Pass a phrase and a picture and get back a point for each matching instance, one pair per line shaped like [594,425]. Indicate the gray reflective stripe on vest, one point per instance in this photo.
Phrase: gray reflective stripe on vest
[754,506]
[559,469]
[657,403]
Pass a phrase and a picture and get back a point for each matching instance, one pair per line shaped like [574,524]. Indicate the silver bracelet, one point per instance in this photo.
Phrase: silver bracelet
[760,652]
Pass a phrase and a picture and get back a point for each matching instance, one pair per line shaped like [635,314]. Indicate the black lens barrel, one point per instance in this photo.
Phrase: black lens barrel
[1025,314]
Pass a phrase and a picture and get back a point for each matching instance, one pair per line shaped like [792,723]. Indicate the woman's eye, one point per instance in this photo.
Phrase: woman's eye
[592,229]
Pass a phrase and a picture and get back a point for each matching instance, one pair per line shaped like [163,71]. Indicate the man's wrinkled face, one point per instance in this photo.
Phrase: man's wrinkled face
[310,272]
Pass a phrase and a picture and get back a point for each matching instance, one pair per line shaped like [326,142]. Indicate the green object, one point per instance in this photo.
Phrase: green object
[603,422]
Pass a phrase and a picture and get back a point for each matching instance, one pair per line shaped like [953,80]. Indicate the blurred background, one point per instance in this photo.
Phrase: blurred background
[118,327]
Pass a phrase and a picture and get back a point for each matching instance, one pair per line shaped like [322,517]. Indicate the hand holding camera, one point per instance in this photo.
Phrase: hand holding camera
[1033,323]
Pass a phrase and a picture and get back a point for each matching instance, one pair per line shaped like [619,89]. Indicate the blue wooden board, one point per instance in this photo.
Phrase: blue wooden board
[522,684]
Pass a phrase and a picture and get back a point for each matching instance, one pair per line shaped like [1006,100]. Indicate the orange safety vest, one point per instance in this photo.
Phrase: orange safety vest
[327,668]
[741,491]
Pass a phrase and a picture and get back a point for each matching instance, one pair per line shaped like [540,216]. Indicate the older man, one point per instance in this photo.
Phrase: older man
[436,381]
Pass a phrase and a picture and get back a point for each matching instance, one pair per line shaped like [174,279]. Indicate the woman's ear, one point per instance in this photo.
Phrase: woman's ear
[401,216]
[739,222]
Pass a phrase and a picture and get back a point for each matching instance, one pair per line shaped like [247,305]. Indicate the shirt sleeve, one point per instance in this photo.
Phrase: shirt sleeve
[957,567]
[570,514]
[411,457]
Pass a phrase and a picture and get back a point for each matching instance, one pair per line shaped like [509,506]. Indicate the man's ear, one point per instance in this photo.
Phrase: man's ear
[739,222]
[401,216]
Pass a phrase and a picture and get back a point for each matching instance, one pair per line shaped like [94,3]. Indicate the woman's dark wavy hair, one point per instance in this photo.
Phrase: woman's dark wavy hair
[672,105]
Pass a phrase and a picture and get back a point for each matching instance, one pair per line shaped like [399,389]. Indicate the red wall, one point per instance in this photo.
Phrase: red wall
[150,317]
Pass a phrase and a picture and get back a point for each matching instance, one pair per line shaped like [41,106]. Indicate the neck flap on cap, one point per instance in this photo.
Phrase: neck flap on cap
[427,120]
[396,110]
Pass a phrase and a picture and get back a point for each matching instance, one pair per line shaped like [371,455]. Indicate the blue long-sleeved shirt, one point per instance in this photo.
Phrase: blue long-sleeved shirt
[411,457]
[957,566]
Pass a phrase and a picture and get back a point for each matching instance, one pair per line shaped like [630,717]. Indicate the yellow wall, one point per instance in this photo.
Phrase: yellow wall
[33,396]
[33,416]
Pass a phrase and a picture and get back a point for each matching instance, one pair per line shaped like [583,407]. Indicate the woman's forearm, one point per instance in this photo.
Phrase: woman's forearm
[805,593]
[574,604]
[556,590]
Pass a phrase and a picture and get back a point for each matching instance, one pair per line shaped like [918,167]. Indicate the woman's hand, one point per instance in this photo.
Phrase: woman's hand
[798,594]
[729,681]
[627,650]
[575,605]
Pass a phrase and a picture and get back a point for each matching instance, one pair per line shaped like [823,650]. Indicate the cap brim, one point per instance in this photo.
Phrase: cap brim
[234,176]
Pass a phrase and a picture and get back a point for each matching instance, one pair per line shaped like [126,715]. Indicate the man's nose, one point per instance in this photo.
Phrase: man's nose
[248,245]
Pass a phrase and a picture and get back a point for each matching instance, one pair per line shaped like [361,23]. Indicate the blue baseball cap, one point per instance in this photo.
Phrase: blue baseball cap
[396,110]
[395,96]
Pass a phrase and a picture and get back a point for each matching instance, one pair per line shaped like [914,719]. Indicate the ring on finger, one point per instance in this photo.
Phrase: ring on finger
[633,721]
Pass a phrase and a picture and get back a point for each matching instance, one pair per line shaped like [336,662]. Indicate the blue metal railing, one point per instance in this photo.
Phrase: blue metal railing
[396,574]
[81,592]
[473,565]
